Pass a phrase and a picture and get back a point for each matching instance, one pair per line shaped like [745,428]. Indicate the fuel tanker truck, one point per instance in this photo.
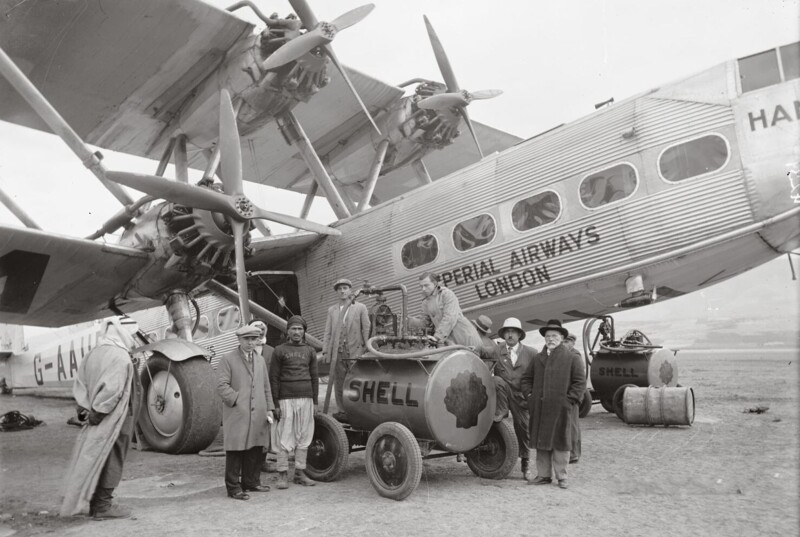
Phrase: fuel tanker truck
[408,399]
[631,362]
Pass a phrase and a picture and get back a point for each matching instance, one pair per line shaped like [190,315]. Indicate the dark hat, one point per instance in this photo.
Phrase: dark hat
[483,324]
[342,281]
[249,330]
[570,337]
[295,320]
[554,324]
[516,324]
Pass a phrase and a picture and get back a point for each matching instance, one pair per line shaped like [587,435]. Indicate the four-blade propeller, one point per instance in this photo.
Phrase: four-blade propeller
[455,97]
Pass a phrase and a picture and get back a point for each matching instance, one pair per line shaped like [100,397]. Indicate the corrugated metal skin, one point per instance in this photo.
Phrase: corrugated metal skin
[673,215]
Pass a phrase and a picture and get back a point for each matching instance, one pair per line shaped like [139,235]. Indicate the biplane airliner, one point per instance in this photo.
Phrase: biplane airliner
[659,195]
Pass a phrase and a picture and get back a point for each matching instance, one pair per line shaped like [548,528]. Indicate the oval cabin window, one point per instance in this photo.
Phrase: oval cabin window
[608,186]
[474,232]
[419,251]
[228,319]
[535,211]
[693,158]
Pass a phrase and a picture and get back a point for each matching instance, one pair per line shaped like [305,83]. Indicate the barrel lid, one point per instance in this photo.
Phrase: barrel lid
[460,401]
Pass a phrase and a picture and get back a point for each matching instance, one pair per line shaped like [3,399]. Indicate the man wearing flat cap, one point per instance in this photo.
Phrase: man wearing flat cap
[346,335]
[554,384]
[483,324]
[512,359]
[243,384]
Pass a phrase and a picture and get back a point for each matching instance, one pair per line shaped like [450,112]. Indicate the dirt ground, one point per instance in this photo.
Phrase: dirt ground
[731,473]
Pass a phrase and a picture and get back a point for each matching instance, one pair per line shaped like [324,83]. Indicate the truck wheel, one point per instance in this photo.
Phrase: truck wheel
[607,404]
[394,462]
[616,401]
[586,404]
[182,411]
[329,449]
[496,456]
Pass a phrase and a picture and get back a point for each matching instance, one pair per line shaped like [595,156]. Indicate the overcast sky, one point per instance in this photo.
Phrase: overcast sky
[553,60]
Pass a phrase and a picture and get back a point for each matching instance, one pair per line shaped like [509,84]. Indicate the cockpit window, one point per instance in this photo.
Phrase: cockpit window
[790,58]
[419,251]
[608,186]
[474,232]
[228,319]
[693,158]
[202,329]
[759,70]
[535,211]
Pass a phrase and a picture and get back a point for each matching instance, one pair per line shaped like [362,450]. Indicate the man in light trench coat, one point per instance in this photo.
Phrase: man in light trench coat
[554,384]
[243,384]
[346,335]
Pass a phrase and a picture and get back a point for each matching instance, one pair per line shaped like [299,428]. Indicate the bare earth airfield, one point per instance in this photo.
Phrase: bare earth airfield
[732,472]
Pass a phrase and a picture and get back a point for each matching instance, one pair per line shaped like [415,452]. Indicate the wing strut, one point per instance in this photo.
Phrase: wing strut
[374,173]
[17,211]
[291,127]
[50,116]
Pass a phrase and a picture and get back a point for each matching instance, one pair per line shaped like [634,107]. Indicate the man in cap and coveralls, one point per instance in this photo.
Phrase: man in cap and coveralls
[243,384]
[483,324]
[346,335]
[108,389]
[295,387]
[512,360]
[441,305]
[575,452]
[554,384]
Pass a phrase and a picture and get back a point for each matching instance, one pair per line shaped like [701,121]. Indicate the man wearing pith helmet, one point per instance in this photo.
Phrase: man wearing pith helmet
[346,335]
[512,359]
[554,384]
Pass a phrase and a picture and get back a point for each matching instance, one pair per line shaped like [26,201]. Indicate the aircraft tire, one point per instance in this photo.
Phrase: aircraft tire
[393,460]
[188,419]
[616,401]
[586,404]
[329,449]
[496,456]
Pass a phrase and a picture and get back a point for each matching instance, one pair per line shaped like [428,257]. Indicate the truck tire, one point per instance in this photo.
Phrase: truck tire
[329,449]
[496,456]
[394,461]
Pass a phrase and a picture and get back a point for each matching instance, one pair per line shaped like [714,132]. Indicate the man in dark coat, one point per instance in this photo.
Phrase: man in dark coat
[243,384]
[512,359]
[575,452]
[554,383]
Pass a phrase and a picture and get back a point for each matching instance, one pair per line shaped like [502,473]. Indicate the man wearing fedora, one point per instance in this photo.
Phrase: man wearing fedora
[554,384]
[512,359]
[247,411]
[346,335]
[483,324]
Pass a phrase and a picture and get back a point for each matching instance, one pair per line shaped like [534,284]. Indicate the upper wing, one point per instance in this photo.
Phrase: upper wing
[54,280]
[274,252]
[109,67]
[461,153]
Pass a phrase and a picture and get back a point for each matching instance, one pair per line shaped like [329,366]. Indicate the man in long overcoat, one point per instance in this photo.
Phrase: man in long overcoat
[575,452]
[554,383]
[512,359]
[243,384]
[346,335]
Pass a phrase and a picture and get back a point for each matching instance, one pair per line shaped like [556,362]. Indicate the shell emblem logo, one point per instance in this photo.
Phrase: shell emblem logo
[466,398]
[665,372]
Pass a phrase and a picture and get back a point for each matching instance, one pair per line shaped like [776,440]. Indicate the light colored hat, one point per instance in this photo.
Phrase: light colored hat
[512,322]
[342,281]
[483,324]
[249,330]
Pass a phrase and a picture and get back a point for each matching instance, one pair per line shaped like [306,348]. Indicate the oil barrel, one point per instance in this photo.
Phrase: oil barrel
[658,406]
[613,368]
[448,398]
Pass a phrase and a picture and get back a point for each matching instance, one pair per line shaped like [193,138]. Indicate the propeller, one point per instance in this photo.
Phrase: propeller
[320,34]
[455,97]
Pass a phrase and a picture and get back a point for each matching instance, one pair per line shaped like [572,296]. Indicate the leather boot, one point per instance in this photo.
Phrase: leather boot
[301,478]
[526,473]
[112,511]
[283,480]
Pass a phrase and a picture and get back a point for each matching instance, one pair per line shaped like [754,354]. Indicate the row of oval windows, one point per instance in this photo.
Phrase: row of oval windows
[227,320]
[676,163]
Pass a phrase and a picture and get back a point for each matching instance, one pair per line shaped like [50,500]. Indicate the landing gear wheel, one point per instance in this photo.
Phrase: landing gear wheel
[182,411]
[394,461]
[496,456]
[616,401]
[329,449]
[607,404]
[586,404]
